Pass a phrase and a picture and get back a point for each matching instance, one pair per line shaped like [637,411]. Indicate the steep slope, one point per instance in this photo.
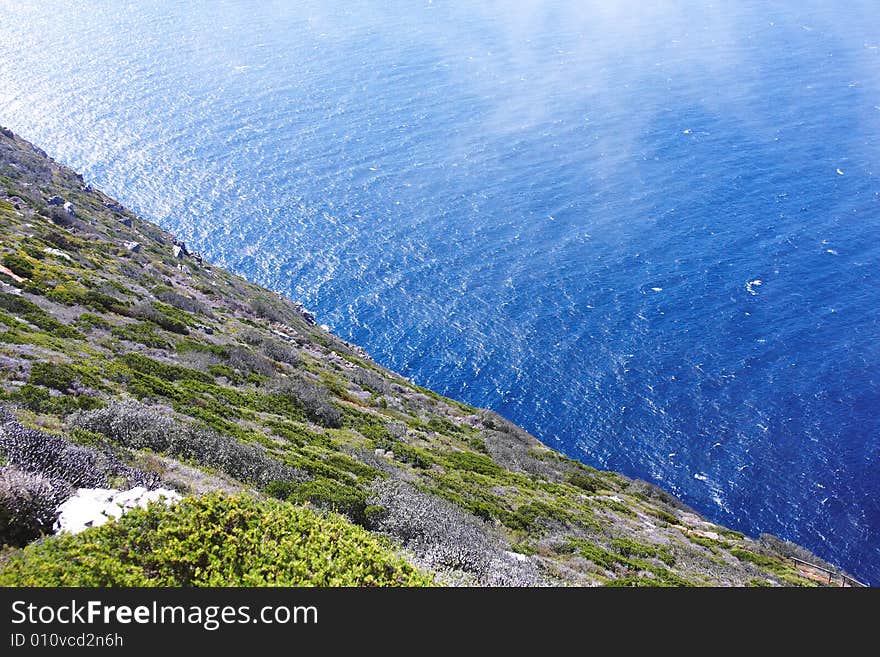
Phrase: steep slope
[127,360]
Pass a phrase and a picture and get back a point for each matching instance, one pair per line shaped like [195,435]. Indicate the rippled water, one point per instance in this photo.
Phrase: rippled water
[648,232]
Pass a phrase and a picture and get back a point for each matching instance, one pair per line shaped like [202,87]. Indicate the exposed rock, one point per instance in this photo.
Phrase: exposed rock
[55,200]
[180,249]
[134,247]
[92,507]
[58,253]
[126,221]
[69,209]
[6,132]
[113,205]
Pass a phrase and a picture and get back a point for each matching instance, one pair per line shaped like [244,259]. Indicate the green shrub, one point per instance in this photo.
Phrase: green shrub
[404,453]
[88,438]
[214,540]
[630,548]
[325,494]
[164,316]
[443,425]
[57,376]
[706,542]
[759,583]
[187,345]
[32,313]
[729,533]
[584,481]
[145,365]
[20,264]
[39,400]
[478,444]
[755,558]
[178,301]
[665,516]
[69,293]
[598,555]
[533,515]
[89,320]
[247,362]
[471,462]
[226,372]
[142,332]
[105,303]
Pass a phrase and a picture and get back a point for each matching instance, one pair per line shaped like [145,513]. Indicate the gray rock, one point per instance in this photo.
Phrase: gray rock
[55,200]
[178,251]
[126,221]
[69,209]
[134,247]
[113,205]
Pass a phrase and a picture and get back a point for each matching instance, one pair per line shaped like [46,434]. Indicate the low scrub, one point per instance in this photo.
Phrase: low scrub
[136,426]
[313,399]
[323,493]
[77,466]
[27,506]
[214,540]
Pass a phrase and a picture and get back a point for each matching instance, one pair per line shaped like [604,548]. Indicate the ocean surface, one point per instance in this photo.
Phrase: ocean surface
[646,231]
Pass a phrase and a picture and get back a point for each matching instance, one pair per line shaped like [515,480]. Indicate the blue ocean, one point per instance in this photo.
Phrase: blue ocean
[645,231]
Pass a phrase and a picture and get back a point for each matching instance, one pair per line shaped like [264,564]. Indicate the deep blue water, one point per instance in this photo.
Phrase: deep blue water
[647,231]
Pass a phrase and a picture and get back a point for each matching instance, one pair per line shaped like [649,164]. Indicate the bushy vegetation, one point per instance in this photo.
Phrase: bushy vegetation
[27,506]
[281,352]
[444,537]
[323,493]
[214,540]
[63,463]
[32,313]
[313,399]
[60,377]
[179,301]
[436,530]
[136,426]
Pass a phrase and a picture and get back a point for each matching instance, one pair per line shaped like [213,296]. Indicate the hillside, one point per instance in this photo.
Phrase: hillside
[126,360]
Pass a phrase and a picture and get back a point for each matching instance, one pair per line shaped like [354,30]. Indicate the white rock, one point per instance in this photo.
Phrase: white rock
[58,253]
[92,507]
[129,498]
